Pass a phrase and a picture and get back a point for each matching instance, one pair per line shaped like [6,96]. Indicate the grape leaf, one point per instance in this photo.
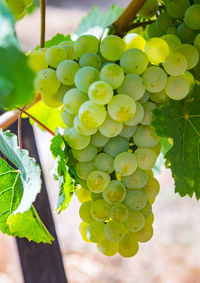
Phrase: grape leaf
[96,22]
[180,121]
[55,40]
[27,224]
[14,89]
[67,176]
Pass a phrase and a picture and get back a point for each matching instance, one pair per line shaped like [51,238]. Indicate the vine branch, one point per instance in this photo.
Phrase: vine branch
[43,20]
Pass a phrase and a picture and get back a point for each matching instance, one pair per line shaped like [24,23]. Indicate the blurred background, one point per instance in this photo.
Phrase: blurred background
[173,254]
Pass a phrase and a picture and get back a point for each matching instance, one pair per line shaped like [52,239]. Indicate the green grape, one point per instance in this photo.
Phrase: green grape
[149,9]
[73,99]
[125,163]
[175,64]
[151,188]
[128,247]
[95,232]
[116,145]
[191,54]
[115,192]
[197,42]
[96,196]
[66,71]
[127,131]
[148,116]
[92,115]
[108,248]
[135,221]
[145,136]
[121,108]
[110,128]
[172,30]
[190,79]
[46,82]
[134,61]
[112,47]
[85,77]
[119,212]
[104,162]
[75,140]
[138,117]
[55,55]
[156,50]
[82,229]
[137,180]
[185,33]
[192,17]
[147,210]
[164,21]
[84,212]
[51,100]
[37,60]
[155,79]
[159,97]
[98,181]
[146,158]
[115,231]
[80,127]
[83,195]
[135,199]
[86,44]
[61,91]
[68,119]
[85,155]
[90,59]
[99,140]
[70,52]
[172,40]
[152,31]
[83,169]
[133,86]
[177,87]
[144,235]
[112,74]
[100,210]
[100,92]
[134,40]
[150,219]
[176,8]
[18,8]
[144,98]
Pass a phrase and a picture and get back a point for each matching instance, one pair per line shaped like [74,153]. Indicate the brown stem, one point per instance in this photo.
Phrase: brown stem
[43,19]
[37,121]
[139,24]
[124,20]
[20,129]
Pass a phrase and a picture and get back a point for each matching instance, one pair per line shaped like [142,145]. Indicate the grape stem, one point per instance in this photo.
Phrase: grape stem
[125,19]
[140,24]
[43,20]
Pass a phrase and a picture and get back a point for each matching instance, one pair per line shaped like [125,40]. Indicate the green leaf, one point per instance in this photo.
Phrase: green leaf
[67,178]
[96,22]
[56,40]
[180,121]
[29,169]
[14,89]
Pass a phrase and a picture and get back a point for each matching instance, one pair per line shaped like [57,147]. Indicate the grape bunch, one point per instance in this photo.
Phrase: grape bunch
[19,7]
[106,92]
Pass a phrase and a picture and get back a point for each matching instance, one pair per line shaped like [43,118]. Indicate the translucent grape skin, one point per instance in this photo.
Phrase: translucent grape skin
[115,192]
[83,195]
[86,44]
[73,99]
[119,212]
[99,140]
[115,231]
[125,163]
[83,169]
[100,210]
[146,158]
[135,221]
[155,79]
[112,47]
[85,77]
[66,71]
[108,248]
[138,117]
[145,137]
[104,162]
[84,212]
[100,92]
[55,55]
[90,59]
[156,50]
[175,64]
[177,87]
[110,128]
[116,145]
[82,229]
[192,17]
[137,180]
[98,181]
[135,200]
[75,139]
[95,232]
[85,155]
[128,247]
[144,235]
[134,40]
[112,74]
[46,82]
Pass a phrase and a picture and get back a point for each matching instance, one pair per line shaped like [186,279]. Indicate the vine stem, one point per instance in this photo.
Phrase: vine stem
[37,121]
[43,20]
[122,23]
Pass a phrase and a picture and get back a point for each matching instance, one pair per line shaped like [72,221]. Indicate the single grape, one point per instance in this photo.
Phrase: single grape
[99,140]
[151,188]
[135,199]
[100,92]
[108,248]
[144,235]
[192,17]
[164,21]
[112,74]
[85,77]
[84,212]
[75,140]
[83,195]
[100,210]
[125,163]
[127,131]
[185,33]
[150,219]
[135,181]
[85,155]
[115,231]
[68,119]
[149,9]
[128,247]
[135,221]
[55,55]
[177,87]
[110,127]
[190,79]
[156,50]
[46,82]
[159,97]
[119,212]
[172,40]
[155,79]
[86,44]
[80,127]
[115,192]
[83,169]
[146,158]
[112,47]
[37,60]
[153,31]
[191,54]
[95,232]
[98,181]
[116,145]
[147,210]
[134,40]
[175,64]
[82,229]
[90,59]
[73,99]
[145,136]
[92,115]
[51,100]
[70,52]
[138,117]
[66,71]
[104,162]
[176,9]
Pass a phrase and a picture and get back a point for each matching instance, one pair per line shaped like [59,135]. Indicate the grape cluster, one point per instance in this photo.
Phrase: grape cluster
[19,7]
[106,92]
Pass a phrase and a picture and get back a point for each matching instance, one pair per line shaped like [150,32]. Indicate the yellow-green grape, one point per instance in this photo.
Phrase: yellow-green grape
[190,79]
[80,127]
[82,229]
[154,79]
[95,232]
[133,86]
[86,44]
[177,8]
[62,90]
[66,71]
[152,31]
[171,30]
[85,155]
[115,231]
[177,87]
[75,140]
[127,131]
[148,115]
[135,221]
[108,248]
[85,77]
[112,74]
[191,54]
[147,210]
[121,108]
[150,219]
[98,181]
[156,50]
[116,145]
[115,192]
[135,199]
[100,92]
[151,188]
[46,82]
[51,100]
[145,136]
[138,117]
[175,64]
[128,247]
[192,17]
[100,210]
[134,40]
[83,169]
[90,59]
[119,212]
[185,33]
[104,162]
[159,97]
[149,9]
[68,119]
[37,60]
[125,163]
[135,181]
[18,8]
[99,140]
[110,127]
[96,196]
[91,114]
[70,53]
[146,158]
[112,47]
[145,234]
[197,41]
[55,55]
[164,21]
[84,212]
[157,148]
[73,99]
[134,61]
[83,195]
[172,40]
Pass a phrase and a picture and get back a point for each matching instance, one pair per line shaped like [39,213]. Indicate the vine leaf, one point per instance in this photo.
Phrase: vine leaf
[180,120]
[27,224]
[55,40]
[66,176]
